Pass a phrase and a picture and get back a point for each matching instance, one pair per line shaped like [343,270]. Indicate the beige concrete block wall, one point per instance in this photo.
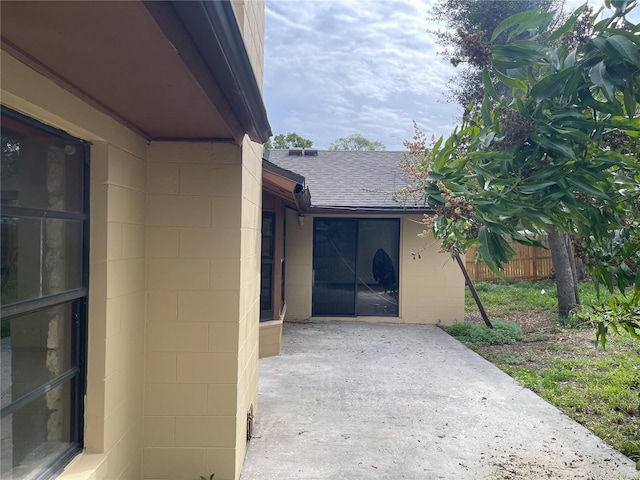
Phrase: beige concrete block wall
[202,307]
[117,297]
[431,288]
[270,338]
[249,332]
[298,266]
[250,15]
[113,415]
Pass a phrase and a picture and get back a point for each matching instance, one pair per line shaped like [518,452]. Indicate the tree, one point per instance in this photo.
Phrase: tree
[560,152]
[290,140]
[356,142]
[474,21]
[469,23]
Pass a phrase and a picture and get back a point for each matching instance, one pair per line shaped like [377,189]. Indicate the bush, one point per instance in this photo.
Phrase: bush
[479,334]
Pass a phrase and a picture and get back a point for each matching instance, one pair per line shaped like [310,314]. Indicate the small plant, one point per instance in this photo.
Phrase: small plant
[620,314]
[503,332]
[202,477]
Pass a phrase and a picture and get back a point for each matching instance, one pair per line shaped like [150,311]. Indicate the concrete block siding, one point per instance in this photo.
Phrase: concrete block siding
[201,344]
[173,293]
[431,287]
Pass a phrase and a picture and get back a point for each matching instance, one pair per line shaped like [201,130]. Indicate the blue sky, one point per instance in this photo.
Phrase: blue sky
[334,68]
[338,67]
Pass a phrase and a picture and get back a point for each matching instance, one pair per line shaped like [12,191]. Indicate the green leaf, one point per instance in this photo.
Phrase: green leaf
[601,334]
[613,108]
[534,23]
[525,21]
[486,250]
[587,188]
[628,34]
[625,48]
[599,77]
[526,51]
[486,111]
[570,60]
[509,81]
[568,25]
[629,103]
[488,85]
[552,145]
[552,85]
[512,21]
[527,189]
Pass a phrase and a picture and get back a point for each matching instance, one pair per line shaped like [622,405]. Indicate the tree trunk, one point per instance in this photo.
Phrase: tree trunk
[565,271]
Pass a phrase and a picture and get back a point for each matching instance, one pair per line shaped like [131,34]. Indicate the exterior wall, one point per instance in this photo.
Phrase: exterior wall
[173,293]
[297,278]
[431,287]
[270,338]
[203,306]
[271,330]
[251,227]
[114,402]
[117,298]
[250,15]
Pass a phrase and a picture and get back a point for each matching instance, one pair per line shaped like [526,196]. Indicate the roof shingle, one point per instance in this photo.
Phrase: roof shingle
[349,180]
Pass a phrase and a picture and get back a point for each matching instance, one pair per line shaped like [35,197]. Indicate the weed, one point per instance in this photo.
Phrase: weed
[536,337]
[479,334]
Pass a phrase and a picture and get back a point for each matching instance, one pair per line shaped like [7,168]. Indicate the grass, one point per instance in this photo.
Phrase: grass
[503,332]
[509,297]
[505,298]
[559,360]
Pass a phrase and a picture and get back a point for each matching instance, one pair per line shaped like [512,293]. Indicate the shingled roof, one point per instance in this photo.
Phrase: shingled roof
[348,180]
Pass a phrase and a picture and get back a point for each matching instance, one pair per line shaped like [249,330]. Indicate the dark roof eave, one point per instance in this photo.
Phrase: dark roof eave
[370,210]
[283,172]
[214,29]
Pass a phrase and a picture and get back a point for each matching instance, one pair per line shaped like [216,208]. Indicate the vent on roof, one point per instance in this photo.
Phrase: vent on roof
[310,152]
[297,152]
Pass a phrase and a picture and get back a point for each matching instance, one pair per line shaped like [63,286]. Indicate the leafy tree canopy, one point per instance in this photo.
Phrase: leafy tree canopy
[356,142]
[560,150]
[465,40]
[290,140]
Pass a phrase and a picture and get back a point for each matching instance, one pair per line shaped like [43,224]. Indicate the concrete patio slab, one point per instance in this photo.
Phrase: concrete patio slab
[350,400]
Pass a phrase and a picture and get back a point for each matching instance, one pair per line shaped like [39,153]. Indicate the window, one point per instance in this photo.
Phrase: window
[44,267]
[355,267]
[267,263]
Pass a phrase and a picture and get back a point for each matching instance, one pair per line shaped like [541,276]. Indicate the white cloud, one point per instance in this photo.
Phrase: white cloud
[333,68]
[336,68]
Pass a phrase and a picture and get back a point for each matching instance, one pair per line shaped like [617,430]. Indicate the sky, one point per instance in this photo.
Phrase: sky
[338,67]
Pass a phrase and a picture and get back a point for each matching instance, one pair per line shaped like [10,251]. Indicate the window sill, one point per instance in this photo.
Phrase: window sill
[86,466]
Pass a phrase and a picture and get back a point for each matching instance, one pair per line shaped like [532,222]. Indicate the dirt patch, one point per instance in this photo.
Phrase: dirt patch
[543,339]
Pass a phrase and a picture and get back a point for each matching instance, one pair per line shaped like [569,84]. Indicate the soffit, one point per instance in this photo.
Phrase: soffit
[114,55]
[281,187]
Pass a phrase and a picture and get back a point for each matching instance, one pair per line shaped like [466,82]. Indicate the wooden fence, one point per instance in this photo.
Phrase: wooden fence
[529,263]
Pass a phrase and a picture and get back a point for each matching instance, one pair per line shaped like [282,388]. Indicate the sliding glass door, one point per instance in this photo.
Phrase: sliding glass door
[355,267]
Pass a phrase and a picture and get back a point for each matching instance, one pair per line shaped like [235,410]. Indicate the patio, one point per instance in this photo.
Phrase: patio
[352,400]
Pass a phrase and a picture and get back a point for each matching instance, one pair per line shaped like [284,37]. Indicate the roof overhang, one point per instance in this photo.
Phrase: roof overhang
[286,185]
[168,70]
[342,210]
